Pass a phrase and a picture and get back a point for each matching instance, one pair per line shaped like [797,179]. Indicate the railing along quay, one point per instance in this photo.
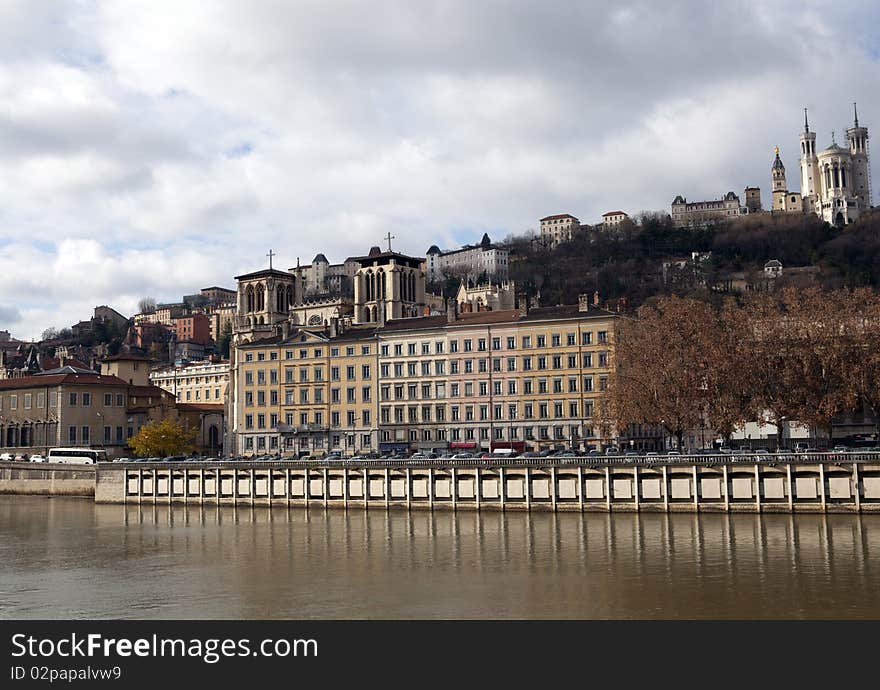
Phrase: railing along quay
[785,482]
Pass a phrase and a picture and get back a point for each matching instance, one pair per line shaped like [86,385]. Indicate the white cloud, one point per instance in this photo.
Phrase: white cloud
[150,147]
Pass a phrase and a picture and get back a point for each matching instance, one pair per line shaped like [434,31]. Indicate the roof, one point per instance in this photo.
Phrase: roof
[773,263]
[127,358]
[68,369]
[200,407]
[321,258]
[614,213]
[777,163]
[66,379]
[679,199]
[434,249]
[147,390]
[215,287]
[375,253]
[263,274]
[558,216]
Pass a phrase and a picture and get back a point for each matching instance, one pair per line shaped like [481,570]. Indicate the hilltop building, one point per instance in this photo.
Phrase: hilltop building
[558,229]
[471,261]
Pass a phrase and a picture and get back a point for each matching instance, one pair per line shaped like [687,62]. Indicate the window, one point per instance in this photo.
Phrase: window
[453,366]
[586,338]
[86,434]
[511,387]
[481,344]
[273,356]
[261,378]
[541,341]
[261,356]
[511,411]
[528,386]
[383,350]
[71,434]
[349,373]
[496,343]
[426,368]
[557,361]
[261,398]
[603,359]
[603,383]
[303,375]
[526,341]
[249,357]
[365,394]
[349,351]
[273,397]
[119,435]
[602,337]
[108,434]
[398,349]
[484,388]
[570,339]
[273,377]
[527,363]
[511,342]
[365,371]
[542,362]
[438,347]
[334,352]
[557,385]
[572,385]
[108,399]
[588,384]
[468,345]
[70,401]
[555,340]
[588,360]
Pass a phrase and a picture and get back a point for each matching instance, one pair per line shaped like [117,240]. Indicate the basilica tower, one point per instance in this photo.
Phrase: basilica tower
[858,148]
[777,173]
[809,165]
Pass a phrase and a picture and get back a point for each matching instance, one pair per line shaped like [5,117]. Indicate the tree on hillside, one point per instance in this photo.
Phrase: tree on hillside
[163,438]
[146,305]
[225,340]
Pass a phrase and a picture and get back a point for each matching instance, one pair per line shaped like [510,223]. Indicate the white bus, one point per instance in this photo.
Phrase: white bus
[77,456]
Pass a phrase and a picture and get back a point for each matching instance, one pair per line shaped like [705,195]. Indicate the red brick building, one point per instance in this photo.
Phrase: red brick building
[194,328]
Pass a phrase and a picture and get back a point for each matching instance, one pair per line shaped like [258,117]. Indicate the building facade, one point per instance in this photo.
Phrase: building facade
[199,382]
[471,261]
[459,381]
[686,213]
[557,229]
[75,409]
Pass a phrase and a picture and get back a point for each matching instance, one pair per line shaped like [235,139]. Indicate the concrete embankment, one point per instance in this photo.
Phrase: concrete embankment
[823,483]
[47,480]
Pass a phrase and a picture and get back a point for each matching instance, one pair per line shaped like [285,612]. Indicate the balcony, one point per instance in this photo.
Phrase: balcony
[293,430]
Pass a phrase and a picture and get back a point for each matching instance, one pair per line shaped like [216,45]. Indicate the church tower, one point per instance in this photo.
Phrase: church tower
[809,165]
[858,147]
[777,173]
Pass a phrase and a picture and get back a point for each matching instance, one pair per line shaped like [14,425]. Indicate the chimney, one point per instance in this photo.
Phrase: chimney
[285,329]
[451,315]
[596,298]
[334,326]
[524,306]
[583,302]
[381,315]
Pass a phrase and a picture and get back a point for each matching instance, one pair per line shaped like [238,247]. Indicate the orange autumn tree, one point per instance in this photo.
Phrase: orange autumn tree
[662,360]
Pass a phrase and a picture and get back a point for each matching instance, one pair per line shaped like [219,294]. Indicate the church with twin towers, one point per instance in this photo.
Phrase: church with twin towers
[835,181]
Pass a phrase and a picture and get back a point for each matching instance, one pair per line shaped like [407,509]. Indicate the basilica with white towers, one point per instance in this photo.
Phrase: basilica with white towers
[835,182]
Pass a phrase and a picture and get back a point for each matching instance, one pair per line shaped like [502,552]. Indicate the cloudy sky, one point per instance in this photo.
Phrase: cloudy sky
[155,148]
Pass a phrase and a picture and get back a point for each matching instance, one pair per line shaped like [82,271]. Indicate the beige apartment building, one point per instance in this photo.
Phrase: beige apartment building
[199,382]
[470,382]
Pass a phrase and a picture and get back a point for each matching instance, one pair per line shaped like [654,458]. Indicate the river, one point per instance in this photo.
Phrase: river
[69,558]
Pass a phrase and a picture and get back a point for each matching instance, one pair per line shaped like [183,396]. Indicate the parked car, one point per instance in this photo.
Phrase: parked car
[595,453]
[6,457]
[38,458]
[840,449]
[531,454]
[461,456]
[673,454]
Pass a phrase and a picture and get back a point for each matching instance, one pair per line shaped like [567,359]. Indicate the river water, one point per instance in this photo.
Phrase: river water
[69,558]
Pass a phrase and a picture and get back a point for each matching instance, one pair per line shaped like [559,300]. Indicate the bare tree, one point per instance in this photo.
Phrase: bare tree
[146,305]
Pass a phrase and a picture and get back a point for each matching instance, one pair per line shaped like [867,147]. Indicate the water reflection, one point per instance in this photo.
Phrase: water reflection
[70,558]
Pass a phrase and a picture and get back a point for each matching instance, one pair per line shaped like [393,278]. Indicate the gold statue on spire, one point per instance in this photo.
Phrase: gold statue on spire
[776,150]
